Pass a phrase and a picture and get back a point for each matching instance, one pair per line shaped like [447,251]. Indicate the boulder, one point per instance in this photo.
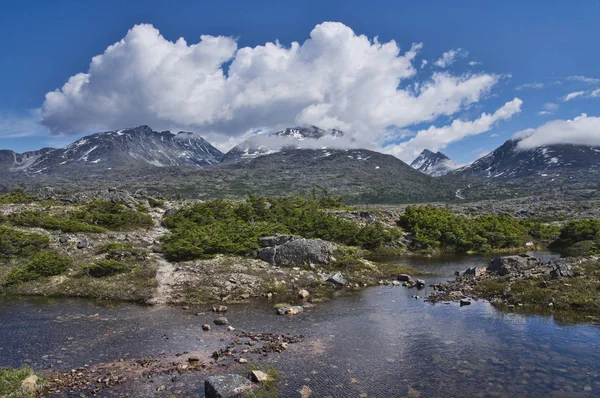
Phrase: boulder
[337,279]
[561,269]
[464,302]
[83,243]
[206,327]
[29,385]
[420,283]
[292,310]
[303,293]
[299,251]
[226,386]
[513,264]
[221,321]
[219,308]
[404,277]
[64,238]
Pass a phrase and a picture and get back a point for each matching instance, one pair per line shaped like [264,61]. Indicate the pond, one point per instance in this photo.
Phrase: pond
[377,342]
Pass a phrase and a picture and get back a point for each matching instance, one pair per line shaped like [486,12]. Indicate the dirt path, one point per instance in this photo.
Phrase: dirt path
[165,278]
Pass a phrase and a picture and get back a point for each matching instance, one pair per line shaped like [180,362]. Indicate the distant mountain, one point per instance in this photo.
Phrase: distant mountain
[139,146]
[509,162]
[266,144]
[434,164]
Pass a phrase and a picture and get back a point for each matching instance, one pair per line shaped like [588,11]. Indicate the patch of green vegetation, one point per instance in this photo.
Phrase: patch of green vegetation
[11,380]
[267,388]
[575,233]
[439,229]
[203,230]
[62,222]
[94,217]
[120,251]
[101,269]
[44,263]
[20,244]
[153,202]
[576,294]
[16,197]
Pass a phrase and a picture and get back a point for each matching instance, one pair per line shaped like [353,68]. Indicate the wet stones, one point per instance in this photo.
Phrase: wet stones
[337,279]
[303,293]
[219,308]
[464,302]
[259,376]
[474,271]
[206,327]
[291,310]
[509,264]
[221,321]
[403,278]
[226,386]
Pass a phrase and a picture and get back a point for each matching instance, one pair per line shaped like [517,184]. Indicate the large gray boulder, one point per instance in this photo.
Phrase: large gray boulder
[276,240]
[299,251]
[513,264]
[226,386]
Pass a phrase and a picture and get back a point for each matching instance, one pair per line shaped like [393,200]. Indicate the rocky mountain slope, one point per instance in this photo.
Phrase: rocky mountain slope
[511,162]
[139,146]
[266,144]
[434,164]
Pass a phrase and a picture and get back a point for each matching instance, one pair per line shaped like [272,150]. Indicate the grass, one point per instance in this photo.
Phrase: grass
[267,389]
[11,379]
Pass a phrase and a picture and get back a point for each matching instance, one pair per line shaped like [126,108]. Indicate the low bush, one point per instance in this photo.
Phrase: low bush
[112,215]
[44,263]
[62,222]
[105,268]
[204,229]
[577,232]
[20,244]
[120,251]
[16,197]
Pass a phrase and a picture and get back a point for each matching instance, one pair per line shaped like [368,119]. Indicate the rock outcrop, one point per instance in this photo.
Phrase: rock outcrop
[288,250]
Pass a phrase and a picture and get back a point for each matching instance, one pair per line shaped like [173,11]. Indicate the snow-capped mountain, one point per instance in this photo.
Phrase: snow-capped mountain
[509,161]
[434,164]
[129,147]
[266,144]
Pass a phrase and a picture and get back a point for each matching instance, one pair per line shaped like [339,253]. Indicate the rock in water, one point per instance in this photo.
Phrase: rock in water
[226,386]
[221,321]
[474,271]
[404,277]
[206,327]
[464,302]
[303,293]
[219,308]
[510,264]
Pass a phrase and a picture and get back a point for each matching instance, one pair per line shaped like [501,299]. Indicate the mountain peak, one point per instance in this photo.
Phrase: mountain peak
[433,163]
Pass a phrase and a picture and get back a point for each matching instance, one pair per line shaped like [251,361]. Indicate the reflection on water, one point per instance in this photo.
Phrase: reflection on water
[380,342]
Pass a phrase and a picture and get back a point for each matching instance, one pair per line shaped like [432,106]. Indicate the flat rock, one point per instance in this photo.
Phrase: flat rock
[221,321]
[258,376]
[226,386]
[337,279]
[403,277]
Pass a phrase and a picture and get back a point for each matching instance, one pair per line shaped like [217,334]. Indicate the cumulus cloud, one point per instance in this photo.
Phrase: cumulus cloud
[549,108]
[573,95]
[474,63]
[436,138]
[530,85]
[449,57]
[584,79]
[582,130]
[334,79]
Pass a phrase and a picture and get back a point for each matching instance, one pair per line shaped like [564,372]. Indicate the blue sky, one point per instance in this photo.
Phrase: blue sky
[534,50]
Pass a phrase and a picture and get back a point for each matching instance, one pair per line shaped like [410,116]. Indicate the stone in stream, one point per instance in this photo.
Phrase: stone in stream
[420,283]
[510,264]
[292,310]
[221,321]
[206,327]
[464,302]
[474,271]
[403,277]
[226,386]
[219,308]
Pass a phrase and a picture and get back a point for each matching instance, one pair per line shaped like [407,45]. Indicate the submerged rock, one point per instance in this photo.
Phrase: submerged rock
[292,310]
[226,386]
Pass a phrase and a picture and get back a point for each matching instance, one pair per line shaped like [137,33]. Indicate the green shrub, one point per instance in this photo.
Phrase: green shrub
[155,202]
[16,197]
[20,244]
[104,268]
[577,231]
[434,228]
[45,263]
[204,229]
[62,222]
[120,251]
[112,215]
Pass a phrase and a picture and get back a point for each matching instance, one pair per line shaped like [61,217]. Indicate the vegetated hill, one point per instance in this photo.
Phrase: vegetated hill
[434,164]
[139,146]
[570,171]
[290,138]
[359,176]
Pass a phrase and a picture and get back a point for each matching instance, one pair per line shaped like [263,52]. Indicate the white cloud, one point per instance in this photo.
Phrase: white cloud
[424,63]
[589,80]
[594,94]
[530,85]
[544,113]
[436,138]
[474,63]
[449,57]
[549,109]
[583,130]
[573,95]
[494,135]
[16,125]
[335,78]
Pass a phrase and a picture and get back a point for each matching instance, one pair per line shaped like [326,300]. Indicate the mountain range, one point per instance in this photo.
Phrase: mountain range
[296,159]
